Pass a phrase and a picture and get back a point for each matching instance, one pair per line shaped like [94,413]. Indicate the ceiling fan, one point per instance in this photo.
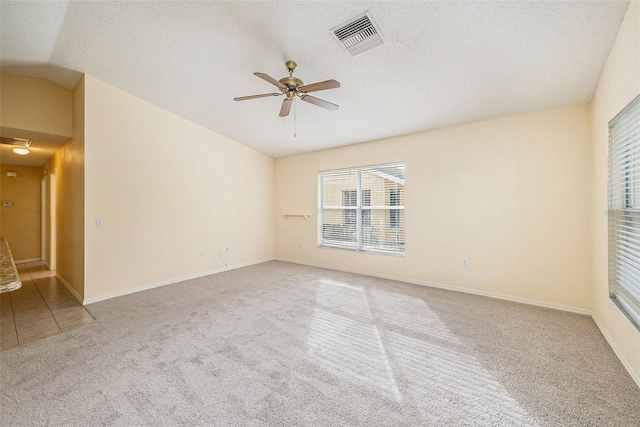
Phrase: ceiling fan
[292,87]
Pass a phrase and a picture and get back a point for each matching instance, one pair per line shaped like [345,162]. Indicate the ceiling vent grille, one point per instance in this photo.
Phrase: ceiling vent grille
[359,35]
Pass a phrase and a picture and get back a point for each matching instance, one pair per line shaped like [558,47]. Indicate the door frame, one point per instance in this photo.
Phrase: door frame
[53,233]
[43,219]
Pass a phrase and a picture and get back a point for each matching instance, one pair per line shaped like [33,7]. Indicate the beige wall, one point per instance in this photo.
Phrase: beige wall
[20,223]
[68,165]
[166,188]
[35,104]
[511,195]
[619,85]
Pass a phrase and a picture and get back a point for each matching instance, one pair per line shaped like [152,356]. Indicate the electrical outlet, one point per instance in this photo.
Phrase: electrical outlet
[465,262]
[201,253]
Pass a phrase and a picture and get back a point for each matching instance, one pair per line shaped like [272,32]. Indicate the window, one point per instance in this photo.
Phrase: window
[362,208]
[624,210]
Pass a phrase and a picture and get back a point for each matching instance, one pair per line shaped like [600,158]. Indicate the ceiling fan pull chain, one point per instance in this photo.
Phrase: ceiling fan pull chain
[294,118]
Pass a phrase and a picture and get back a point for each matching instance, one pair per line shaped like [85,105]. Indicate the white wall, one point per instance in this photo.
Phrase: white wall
[511,195]
[165,188]
[619,85]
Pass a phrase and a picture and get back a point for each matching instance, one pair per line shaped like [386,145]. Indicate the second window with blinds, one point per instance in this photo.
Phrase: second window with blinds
[624,210]
[362,208]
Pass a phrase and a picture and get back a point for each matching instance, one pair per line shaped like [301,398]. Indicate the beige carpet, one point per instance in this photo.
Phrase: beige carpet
[283,344]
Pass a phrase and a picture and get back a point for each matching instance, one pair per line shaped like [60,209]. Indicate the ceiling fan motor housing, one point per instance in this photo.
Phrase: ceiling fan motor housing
[293,83]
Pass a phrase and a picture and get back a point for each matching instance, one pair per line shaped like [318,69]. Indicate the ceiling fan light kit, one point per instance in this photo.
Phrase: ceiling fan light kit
[21,151]
[292,87]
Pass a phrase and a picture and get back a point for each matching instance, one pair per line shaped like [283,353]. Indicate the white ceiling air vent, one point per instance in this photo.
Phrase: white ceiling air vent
[359,35]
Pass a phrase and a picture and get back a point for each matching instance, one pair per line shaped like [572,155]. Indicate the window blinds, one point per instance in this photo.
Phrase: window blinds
[624,209]
[362,208]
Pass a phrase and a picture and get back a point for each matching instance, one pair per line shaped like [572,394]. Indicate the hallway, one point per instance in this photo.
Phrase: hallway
[42,307]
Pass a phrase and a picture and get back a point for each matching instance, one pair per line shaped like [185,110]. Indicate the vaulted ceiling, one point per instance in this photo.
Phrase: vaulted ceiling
[443,64]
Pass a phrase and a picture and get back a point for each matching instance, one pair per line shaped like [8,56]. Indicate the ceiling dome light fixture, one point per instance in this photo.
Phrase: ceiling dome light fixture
[21,151]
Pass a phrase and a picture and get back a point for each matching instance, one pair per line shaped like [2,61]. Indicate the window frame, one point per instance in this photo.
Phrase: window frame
[623,213]
[361,208]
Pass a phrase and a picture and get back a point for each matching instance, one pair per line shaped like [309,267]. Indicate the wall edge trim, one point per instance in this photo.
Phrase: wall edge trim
[537,303]
[172,281]
[69,287]
[634,375]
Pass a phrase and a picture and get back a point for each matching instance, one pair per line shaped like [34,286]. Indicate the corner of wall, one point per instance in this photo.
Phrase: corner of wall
[68,164]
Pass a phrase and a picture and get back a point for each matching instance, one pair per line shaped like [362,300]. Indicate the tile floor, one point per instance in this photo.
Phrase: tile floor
[42,307]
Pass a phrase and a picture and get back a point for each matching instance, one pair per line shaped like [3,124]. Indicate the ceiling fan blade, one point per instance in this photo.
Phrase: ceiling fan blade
[319,102]
[314,87]
[271,80]
[264,95]
[286,107]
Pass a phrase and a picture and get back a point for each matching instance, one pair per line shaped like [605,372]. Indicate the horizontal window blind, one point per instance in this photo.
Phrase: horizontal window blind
[362,208]
[624,209]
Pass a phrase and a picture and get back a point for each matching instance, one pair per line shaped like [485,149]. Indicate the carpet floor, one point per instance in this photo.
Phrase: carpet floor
[285,344]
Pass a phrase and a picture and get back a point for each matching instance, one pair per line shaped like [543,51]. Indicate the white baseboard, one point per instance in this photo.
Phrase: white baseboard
[70,288]
[171,281]
[615,349]
[452,288]
[24,261]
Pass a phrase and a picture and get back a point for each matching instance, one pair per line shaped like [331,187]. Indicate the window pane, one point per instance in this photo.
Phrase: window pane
[366,213]
[394,214]
[350,198]
[333,185]
[379,236]
[336,231]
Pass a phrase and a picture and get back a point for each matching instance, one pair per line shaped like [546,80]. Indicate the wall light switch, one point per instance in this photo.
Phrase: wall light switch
[98,223]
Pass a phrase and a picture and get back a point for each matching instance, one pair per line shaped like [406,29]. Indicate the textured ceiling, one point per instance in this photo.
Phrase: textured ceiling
[445,63]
